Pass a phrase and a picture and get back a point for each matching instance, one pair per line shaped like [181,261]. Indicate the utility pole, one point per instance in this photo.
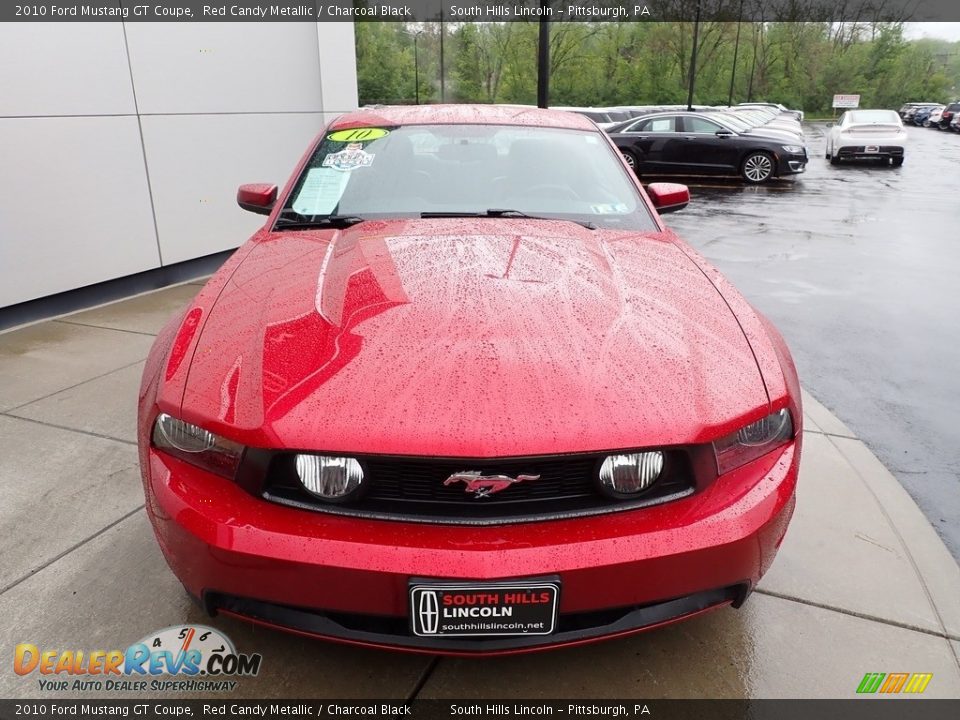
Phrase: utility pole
[693,57]
[443,81]
[416,68]
[753,63]
[416,62]
[543,57]
[736,49]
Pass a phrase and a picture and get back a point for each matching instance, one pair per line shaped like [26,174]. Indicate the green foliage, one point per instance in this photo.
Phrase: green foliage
[801,64]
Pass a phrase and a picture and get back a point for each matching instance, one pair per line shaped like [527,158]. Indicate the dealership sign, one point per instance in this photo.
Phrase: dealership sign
[846,101]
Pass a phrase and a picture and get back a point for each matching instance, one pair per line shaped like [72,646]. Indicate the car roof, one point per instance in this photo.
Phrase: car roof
[391,115]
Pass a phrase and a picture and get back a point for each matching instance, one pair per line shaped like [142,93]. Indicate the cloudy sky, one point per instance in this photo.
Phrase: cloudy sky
[944,30]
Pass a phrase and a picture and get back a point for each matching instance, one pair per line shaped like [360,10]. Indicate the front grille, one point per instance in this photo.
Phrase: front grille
[422,480]
[413,488]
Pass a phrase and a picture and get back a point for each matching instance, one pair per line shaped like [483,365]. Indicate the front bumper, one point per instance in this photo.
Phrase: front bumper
[791,164]
[346,578]
[875,152]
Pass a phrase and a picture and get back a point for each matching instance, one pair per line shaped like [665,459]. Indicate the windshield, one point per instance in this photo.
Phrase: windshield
[873,116]
[468,170]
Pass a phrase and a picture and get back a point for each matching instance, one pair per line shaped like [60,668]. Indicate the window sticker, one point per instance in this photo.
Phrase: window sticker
[610,209]
[358,135]
[321,191]
[353,156]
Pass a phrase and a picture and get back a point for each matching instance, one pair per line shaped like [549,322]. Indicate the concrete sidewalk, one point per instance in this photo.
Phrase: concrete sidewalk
[861,584]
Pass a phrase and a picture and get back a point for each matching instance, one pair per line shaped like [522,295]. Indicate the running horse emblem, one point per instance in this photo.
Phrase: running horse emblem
[483,486]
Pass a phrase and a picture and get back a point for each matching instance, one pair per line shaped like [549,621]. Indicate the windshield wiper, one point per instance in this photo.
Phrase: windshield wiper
[505,213]
[292,220]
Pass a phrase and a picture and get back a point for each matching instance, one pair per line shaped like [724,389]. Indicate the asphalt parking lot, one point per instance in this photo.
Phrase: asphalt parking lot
[857,266]
[862,582]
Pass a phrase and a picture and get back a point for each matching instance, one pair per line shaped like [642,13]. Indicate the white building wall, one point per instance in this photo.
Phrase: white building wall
[121,145]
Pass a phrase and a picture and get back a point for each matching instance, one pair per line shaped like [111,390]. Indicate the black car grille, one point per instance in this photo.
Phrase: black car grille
[413,489]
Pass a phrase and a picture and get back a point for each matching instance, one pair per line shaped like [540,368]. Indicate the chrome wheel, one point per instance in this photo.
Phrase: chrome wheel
[630,160]
[758,168]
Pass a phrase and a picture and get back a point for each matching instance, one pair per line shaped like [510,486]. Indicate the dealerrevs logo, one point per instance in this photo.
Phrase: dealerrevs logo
[187,651]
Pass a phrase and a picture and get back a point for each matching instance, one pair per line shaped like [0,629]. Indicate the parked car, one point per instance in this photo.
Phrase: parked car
[947,115]
[739,123]
[955,122]
[768,118]
[910,109]
[867,135]
[933,119]
[600,117]
[690,143]
[464,392]
[761,122]
[921,117]
[798,114]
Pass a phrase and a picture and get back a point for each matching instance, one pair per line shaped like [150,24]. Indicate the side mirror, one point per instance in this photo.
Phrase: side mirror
[257,197]
[668,197]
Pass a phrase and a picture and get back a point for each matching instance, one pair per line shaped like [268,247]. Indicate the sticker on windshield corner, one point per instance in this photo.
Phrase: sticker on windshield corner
[358,135]
[609,209]
[351,157]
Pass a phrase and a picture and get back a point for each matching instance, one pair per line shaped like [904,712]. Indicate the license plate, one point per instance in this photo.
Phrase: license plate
[872,148]
[483,609]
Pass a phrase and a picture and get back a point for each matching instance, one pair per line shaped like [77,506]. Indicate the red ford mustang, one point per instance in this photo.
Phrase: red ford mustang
[465,393]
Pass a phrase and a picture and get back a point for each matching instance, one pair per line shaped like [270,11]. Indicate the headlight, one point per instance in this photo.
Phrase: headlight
[329,478]
[795,149]
[196,446]
[753,440]
[629,474]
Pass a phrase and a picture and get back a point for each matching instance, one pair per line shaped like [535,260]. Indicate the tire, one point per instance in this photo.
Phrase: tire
[834,160]
[896,162]
[757,167]
[631,160]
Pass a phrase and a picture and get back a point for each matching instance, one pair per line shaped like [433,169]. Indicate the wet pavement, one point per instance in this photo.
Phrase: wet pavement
[857,265]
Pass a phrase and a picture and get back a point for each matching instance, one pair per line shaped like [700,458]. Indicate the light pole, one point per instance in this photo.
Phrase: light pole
[543,57]
[416,63]
[443,80]
[753,62]
[736,48]
[693,57]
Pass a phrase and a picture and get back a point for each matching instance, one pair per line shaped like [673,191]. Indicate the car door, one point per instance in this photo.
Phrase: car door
[654,143]
[704,150]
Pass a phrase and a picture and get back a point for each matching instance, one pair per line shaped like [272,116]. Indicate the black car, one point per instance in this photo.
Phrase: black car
[687,143]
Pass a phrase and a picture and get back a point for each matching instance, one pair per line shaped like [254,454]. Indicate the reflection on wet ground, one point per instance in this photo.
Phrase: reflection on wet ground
[857,265]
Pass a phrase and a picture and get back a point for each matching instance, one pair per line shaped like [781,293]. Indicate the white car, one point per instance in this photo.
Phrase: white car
[934,117]
[867,135]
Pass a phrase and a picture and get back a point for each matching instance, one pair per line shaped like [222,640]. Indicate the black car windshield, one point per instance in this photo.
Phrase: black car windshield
[470,170]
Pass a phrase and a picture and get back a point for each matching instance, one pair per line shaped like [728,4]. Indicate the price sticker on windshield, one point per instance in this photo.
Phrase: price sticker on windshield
[360,135]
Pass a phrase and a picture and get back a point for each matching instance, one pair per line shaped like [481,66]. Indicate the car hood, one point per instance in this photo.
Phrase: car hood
[474,338]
